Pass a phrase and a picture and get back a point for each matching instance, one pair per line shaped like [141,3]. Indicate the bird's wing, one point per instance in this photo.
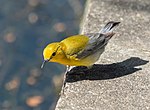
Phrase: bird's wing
[81,46]
[75,44]
[96,42]
[99,40]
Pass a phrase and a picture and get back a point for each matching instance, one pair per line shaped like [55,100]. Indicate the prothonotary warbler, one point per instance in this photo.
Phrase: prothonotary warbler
[80,50]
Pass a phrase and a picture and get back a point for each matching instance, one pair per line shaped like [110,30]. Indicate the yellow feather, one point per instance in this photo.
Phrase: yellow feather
[80,50]
[74,44]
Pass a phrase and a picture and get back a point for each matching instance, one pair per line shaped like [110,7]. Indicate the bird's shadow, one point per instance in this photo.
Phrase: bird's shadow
[106,71]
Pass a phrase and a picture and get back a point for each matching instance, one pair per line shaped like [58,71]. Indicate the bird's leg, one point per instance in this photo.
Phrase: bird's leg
[64,80]
[89,67]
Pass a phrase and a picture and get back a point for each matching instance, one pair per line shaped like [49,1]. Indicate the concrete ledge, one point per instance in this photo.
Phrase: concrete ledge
[121,78]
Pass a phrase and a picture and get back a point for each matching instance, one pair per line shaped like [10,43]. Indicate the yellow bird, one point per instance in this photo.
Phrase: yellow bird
[79,50]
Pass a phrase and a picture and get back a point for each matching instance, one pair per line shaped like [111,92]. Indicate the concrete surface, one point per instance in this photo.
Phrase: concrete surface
[121,79]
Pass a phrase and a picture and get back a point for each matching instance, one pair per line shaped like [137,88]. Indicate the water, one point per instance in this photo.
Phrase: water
[26,27]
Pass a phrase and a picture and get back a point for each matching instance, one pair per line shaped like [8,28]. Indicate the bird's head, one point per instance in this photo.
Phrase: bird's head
[50,52]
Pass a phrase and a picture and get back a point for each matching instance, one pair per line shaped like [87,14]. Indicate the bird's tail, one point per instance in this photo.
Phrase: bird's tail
[108,28]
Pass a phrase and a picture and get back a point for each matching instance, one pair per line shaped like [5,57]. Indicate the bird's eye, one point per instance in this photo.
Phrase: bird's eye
[54,54]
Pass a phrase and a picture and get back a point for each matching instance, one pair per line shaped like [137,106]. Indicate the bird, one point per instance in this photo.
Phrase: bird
[79,50]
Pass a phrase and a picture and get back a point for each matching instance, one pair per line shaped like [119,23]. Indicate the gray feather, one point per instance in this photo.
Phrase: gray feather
[98,41]
[109,27]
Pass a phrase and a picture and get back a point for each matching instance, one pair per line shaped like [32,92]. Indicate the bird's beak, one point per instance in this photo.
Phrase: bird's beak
[45,61]
[43,64]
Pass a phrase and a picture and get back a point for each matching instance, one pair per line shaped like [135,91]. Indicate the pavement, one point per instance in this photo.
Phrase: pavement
[120,80]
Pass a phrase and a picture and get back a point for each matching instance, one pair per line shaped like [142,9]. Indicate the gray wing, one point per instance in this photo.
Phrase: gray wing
[99,40]
[96,42]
